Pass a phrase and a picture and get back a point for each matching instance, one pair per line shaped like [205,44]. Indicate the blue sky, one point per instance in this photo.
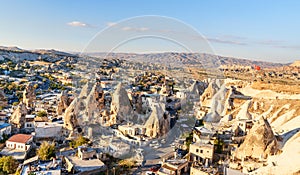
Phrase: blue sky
[260,30]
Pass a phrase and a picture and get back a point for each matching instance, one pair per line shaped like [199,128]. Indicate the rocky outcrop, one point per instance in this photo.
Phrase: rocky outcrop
[18,116]
[212,117]
[158,123]
[120,105]
[217,106]
[63,102]
[232,95]
[244,112]
[29,95]
[70,116]
[3,99]
[210,91]
[137,102]
[259,143]
[95,102]
[296,63]
[85,90]
[86,108]
[197,88]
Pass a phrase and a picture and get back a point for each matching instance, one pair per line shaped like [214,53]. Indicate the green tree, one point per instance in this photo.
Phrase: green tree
[189,140]
[42,114]
[46,151]
[218,145]
[127,163]
[78,142]
[8,164]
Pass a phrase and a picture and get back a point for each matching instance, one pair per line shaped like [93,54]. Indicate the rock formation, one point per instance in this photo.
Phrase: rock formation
[137,102]
[213,117]
[217,106]
[158,123]
[232,95]
[86,108]
[259,143]
[18,116]
[244,111]
[3,99]
[85,90]
[210,91]
[296,63]
[29,95]
[95,102]
[63,103]
[120,105]
[70,116]
[197,88]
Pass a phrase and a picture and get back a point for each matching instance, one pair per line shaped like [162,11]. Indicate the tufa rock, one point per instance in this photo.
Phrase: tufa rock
[120,105]
[29,95]
[18,116]
[210,91]
[197,88]
[259,143]
[70,116]
[158,123]
[63,102]
[95,102]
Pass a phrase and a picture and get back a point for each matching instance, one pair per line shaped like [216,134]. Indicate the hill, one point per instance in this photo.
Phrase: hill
[191,59]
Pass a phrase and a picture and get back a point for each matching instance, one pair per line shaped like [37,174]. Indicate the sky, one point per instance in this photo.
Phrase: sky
[259,30]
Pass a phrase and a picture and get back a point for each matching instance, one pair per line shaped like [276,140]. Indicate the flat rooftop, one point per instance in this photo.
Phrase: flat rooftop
[87,165]
[17,154]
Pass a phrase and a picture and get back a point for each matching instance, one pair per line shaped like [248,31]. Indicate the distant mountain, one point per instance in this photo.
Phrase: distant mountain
[191,59]
[168,58]
[296,64]
[16,54]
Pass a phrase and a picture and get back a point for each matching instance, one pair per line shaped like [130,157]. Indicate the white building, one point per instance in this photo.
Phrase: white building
[19,142]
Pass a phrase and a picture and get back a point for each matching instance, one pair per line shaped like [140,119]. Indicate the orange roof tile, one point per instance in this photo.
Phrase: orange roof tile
[20,138]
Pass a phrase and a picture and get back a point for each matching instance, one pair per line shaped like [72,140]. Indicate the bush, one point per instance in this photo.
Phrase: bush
[46,151]
[218,145]
[189,140]
[8,164]
[78,142]
[127,163]
[42,114]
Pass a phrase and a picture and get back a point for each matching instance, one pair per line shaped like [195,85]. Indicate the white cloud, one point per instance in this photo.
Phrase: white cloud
[140,29]
[78,24]
[111,24]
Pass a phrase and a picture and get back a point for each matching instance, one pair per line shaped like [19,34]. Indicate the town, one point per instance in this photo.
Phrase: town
[111,116]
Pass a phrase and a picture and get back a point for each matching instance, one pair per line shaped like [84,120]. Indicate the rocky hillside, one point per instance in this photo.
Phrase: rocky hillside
[179,59]
[16,54]
[296,64]
[168,58]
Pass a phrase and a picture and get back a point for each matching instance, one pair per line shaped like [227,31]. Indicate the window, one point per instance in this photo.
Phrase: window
[201,151]
[197,150]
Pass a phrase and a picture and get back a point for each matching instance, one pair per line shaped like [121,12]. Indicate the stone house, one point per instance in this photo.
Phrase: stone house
[19,142]
[202,152]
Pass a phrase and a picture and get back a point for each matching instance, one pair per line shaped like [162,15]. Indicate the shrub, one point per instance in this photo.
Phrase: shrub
[46,151]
